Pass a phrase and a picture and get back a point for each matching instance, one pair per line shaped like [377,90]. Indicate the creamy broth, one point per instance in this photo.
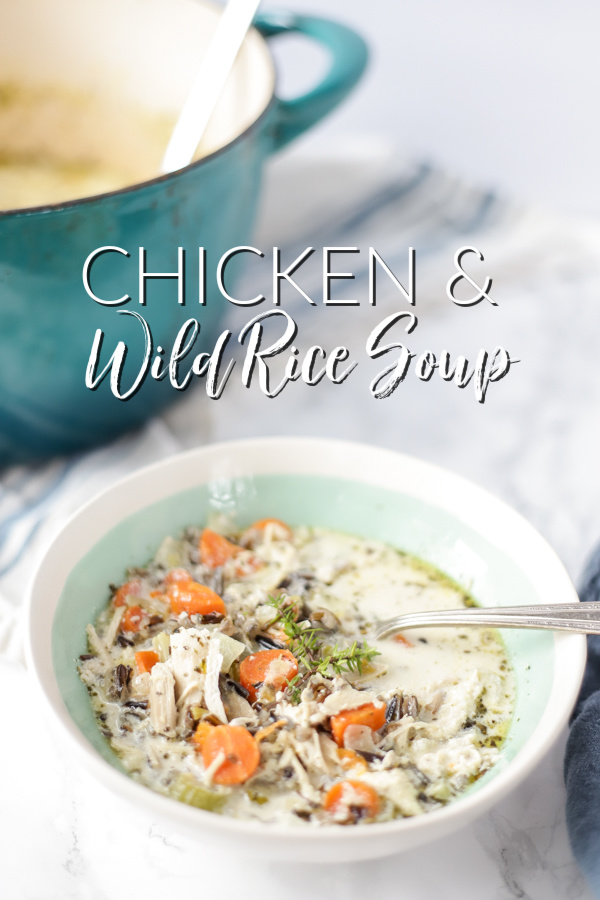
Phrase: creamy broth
[333,726]
[383,583]
[57,144]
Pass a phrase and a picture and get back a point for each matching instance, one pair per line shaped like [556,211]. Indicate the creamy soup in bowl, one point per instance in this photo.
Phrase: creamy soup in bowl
[236,671]
[58,144]
[329,493]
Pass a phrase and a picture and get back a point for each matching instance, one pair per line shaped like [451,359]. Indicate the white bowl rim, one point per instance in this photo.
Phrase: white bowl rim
[570,649]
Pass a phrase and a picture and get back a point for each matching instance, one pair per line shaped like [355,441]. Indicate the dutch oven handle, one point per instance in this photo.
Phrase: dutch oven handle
[348,61]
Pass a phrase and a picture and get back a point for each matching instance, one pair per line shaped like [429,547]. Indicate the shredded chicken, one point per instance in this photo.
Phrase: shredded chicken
[163,710]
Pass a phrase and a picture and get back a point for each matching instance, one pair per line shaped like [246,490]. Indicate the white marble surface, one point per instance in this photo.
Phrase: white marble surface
[534,443]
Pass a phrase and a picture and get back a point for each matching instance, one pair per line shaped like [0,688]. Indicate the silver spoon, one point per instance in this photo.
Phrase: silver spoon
[577,617]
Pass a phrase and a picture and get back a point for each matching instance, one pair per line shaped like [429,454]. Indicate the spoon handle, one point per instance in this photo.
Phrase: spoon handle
[234,22]
[576,617]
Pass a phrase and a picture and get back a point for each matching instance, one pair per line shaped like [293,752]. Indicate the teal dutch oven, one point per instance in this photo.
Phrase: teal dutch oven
[47,319]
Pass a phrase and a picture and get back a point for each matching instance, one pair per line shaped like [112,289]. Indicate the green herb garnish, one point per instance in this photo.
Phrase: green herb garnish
[307,643]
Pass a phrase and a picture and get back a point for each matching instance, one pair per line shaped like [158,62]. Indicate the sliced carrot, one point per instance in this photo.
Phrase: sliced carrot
[274,667]
[129,589]
[351,760]
[194,598]
[133,618]
[239,749]
[215,549]
[352,799]
[200,734]
[145,659]
[369,714]
[400,639]
[261,524]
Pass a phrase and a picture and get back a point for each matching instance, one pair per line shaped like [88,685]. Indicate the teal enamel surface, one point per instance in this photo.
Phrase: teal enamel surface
[348,59]
[47,320]
[403,521]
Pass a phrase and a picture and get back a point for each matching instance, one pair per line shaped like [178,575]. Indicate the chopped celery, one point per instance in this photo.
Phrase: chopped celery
[170,554]
[441,792]
[187,790]
[230,650]
[198,712]
[161,644]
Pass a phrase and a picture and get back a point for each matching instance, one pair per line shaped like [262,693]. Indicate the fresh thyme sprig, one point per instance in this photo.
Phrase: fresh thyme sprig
[302,637]
[307,644]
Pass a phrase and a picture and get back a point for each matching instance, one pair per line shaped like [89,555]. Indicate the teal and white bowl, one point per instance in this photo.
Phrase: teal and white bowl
[431,513]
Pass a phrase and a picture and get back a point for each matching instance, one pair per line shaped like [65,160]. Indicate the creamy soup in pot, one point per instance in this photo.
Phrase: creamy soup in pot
[57,144]
[238,672]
